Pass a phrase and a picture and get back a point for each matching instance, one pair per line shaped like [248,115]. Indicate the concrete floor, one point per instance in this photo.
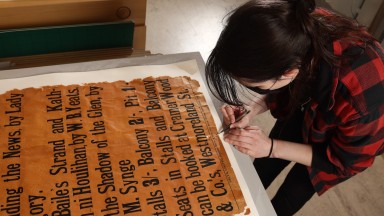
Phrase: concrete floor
[178,26]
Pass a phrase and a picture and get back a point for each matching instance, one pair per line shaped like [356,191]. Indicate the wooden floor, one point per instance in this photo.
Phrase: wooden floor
[178,26]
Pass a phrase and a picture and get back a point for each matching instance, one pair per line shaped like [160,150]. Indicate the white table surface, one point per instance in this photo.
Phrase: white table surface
[253,191]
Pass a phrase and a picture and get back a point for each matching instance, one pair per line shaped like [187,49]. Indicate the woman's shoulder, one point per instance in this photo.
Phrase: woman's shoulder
[359,63]
[360,75]
[347,47]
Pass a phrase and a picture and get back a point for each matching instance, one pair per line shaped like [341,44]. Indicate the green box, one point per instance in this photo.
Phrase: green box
[56,39]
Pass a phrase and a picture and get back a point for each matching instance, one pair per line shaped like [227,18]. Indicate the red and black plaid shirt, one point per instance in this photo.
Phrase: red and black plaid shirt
[344,121]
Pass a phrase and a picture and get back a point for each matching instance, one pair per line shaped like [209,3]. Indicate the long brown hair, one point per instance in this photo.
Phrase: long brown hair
[262,39]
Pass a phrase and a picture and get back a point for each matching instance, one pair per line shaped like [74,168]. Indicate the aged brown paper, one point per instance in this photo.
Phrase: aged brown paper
[144,147]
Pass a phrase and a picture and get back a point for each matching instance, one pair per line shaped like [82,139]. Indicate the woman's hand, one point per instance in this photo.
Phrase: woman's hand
[230,113]
[250,140]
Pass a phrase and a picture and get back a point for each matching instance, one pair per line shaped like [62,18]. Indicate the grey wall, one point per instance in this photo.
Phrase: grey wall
[346,7]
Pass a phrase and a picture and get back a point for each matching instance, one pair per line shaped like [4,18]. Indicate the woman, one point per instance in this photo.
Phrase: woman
[321,76]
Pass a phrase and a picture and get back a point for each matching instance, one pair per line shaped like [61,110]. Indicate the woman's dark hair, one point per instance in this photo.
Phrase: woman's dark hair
[263,39]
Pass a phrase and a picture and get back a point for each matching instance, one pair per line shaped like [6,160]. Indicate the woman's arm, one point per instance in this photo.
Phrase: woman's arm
[297,152]
[252,141]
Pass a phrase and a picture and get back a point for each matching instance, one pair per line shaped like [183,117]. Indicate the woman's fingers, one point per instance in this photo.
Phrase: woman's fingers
[251,141]
[244,150]
[227,113]
[249,131]
[230,113]
[242,141]
[244,147]
[242,123]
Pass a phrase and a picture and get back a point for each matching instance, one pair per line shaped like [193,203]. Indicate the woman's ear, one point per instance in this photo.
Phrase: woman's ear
[290,74]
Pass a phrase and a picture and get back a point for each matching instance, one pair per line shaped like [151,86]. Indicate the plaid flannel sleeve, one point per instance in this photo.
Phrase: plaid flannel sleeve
[353,146]
[359,136]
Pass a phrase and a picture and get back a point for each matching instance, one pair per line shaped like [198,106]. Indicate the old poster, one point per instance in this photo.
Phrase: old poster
[144,147]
